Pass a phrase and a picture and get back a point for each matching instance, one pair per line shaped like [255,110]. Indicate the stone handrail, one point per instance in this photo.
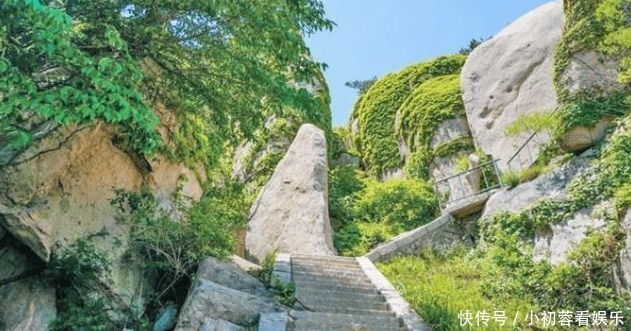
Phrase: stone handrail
[412,241]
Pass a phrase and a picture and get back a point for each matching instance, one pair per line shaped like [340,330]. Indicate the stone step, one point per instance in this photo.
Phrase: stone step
[332,269]
[324,263]
[304,320]
[317,302]
[327,271]
[353,311]
[350,327]
[311,284]
[335,287]
[328,281]
[334,295]
[317,275]
[302,257]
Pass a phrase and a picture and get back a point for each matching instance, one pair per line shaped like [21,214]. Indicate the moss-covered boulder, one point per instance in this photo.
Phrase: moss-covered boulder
[395,123]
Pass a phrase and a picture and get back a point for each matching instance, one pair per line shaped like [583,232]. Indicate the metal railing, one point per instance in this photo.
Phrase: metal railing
[469,183]
[527,153]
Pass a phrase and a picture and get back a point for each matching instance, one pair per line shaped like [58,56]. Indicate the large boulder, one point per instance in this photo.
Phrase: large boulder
[511,75]
[28,301]
[291,213]
[59,190]
[555,241]
[229,274]
[223,293]
[551,185]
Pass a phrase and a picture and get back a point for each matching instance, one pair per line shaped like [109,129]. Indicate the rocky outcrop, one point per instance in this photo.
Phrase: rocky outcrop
[555,241]
[223,297]
[591,70]
[511,75]
[59,190]
[623,270]
[27,300]
[291,212]
[550,185]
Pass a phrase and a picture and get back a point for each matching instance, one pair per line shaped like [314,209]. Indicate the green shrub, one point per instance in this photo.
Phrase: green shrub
[511,179]
[168,243]
[379,211]
[407,203]
[344,182]
[533,123]
[357,238]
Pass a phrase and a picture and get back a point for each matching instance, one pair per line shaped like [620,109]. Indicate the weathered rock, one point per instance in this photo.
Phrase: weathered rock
[210,300]
[219,325]
[345,159]
[581,137]
[449,130]
[556,240]
[623,270]
[510,75]
[230,275]
[550,185]
[291,212]
[244,264]
[455,188]
[591,70]
[27,302]
[60,188]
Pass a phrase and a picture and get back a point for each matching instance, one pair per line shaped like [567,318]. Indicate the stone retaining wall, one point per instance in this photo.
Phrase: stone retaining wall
[440,234]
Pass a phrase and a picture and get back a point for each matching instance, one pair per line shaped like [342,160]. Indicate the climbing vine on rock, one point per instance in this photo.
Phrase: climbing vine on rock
[376,110]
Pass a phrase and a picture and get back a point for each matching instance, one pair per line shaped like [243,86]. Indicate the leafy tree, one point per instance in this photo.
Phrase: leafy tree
[473,43]
[361,85]
[229,64]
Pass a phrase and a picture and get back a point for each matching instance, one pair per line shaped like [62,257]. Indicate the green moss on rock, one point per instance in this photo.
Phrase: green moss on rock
[376,110]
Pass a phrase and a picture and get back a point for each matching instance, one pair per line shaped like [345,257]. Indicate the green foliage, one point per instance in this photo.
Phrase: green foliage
[376,109]
[60,69]
[592,25]
[361,85]
[284,293]
[615,15]
[514,178]
[463,144]
[77,271]
[432,102]
[581,32]
[417,164]
[373,212]
[532,123]
[222,68]
[82,276]
[450,283]
[408,203]
[473,44]
[344,183]
[168,243]
[587,108]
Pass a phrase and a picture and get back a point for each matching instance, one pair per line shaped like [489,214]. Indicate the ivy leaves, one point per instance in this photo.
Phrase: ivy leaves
[230,63]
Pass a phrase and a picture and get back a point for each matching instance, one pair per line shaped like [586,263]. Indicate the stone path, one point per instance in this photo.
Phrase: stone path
[340,293]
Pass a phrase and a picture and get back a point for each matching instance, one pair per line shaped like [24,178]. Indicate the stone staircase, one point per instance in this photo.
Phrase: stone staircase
[339,293]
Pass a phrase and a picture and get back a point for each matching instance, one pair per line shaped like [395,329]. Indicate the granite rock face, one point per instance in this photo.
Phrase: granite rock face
[223,297]
[291,213]
[27,301]
[511,75]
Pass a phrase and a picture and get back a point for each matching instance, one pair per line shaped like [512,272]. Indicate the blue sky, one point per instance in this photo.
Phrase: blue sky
[375,37]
